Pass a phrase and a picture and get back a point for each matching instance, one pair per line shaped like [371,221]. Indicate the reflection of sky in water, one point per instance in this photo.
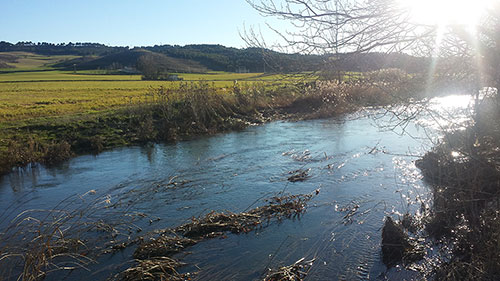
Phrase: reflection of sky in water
[425,119]
[364,173]
[449,113]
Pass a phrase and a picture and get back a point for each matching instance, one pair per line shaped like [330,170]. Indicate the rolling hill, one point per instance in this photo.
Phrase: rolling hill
[194,58]
[129,59]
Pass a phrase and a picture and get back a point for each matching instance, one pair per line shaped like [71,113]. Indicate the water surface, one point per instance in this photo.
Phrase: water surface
[363,170]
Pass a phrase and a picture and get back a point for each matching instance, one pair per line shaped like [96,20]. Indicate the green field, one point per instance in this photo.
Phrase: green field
[28,95]
[45,97]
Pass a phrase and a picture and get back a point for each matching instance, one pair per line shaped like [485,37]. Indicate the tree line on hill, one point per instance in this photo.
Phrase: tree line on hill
[203,57]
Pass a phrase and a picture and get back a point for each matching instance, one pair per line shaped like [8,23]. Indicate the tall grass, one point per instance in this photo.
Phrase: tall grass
[36,243]
[326,98]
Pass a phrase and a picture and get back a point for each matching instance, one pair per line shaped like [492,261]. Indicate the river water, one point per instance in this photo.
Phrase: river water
[362,164]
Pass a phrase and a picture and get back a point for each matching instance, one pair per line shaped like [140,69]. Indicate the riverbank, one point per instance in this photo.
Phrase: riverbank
[351,161]
[462,219]
[170,114]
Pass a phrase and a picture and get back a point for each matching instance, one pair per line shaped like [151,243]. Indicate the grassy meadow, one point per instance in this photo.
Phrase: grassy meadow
[27,100]
[34,94]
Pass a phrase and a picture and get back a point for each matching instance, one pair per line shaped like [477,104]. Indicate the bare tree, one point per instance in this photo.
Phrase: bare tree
[340,27]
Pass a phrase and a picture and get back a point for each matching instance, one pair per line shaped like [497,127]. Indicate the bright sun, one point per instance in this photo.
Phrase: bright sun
[447,12]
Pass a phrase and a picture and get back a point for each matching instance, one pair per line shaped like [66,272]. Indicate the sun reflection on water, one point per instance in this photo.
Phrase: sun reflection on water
[448,113]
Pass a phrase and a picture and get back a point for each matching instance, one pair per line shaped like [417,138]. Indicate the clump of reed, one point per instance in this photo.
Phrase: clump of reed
[154,255]
[294,272]
[37,243]
[159,268]
[326,98]
[163,246]
[31,150]
[215,224]
[198,108]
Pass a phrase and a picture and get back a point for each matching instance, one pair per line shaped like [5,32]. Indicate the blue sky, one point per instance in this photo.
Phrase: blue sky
[129,22]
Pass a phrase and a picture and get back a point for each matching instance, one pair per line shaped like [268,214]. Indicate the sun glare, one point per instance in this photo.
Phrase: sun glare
[447,12]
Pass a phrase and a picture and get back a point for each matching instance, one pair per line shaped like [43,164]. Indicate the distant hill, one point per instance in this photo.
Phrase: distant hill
[79,49]
[130,58]
[217,57]
[374,61]
[6,60]
[201,58]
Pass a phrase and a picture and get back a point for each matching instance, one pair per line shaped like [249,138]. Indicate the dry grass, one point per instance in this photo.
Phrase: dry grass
[326,98]
[157,269]
[154,255]
[295,272]
[71,236]
[215,224]
[163,246]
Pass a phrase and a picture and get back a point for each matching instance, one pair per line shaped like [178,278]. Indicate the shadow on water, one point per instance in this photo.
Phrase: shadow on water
[363,173]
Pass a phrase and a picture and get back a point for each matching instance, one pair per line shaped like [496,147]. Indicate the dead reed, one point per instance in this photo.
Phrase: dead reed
[160,268]
[154,255]
[295,272]
[71,236]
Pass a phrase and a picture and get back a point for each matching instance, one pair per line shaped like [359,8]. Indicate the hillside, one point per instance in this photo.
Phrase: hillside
[130,58]
[201,58]
[220,58]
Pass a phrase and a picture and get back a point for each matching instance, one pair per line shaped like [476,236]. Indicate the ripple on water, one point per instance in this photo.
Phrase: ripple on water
[364,170]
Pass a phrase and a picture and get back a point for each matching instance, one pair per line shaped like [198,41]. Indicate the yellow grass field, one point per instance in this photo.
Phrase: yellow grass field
[28,95]
[26,100]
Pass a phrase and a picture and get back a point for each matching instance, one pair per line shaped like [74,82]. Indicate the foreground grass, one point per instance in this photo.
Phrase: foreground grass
[41,243]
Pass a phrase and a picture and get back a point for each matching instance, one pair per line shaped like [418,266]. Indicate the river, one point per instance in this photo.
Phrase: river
[364,171]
